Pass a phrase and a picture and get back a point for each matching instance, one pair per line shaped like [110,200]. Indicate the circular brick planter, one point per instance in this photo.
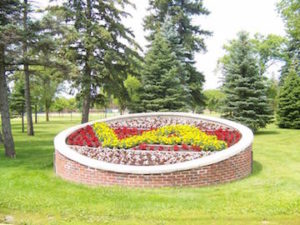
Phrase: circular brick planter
[224,166]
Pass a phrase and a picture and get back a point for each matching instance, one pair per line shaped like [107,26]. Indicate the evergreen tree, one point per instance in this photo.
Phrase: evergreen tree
[246,100]
[189,38]
[162,89]
[9,18]
[32,43]
[288,114]
[95,43]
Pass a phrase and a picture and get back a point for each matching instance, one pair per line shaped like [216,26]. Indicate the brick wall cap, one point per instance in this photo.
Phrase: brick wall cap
[245,141]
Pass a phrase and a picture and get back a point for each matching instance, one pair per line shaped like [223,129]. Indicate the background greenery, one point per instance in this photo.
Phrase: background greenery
[32,194]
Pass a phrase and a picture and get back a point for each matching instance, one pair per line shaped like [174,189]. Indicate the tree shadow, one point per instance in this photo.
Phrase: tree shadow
[266,132]
[257,167]
[33,155]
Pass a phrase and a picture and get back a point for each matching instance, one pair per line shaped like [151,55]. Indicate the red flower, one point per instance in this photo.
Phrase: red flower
[176,148]
[185,146]
[160,148]
[143,146]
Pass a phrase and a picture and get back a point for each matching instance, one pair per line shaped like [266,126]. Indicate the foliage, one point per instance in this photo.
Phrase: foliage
[60,104]
[17,100]
[288,114]
[246,100]
[161,85]
[93,43]
[72,105]
[289,10]
[269,50]
[174,19]
[214,100]
[272,92]
[133,85]
[9,18]
[181,13]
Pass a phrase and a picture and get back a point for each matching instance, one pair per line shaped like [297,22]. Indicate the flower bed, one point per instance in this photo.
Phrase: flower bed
[155,143]
[116,142]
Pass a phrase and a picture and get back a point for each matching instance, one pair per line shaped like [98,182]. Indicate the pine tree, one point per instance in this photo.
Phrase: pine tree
[246,100]
[288,114]
[95,44]
[9,17]
[190,38]
[162,89]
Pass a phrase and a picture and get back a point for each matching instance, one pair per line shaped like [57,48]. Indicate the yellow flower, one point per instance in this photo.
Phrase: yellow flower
[169,135]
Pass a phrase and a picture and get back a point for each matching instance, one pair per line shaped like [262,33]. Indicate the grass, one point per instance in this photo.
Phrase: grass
[32,194]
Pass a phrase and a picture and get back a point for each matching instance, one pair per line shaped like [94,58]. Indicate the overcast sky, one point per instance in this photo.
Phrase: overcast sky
[227,17]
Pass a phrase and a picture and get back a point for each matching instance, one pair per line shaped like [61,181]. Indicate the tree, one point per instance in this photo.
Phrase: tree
[71,105]
[269,50]
[289,11]
[214,100]
[60,104]
[18,101]
[161,86]
[133,86]
[246,100]
[181,13]
[9,17]
[94,45]
[121,94]
[34,46]
[1,138]
[288,114]
[27,35]
[48,80]
[189,38]
[272,91]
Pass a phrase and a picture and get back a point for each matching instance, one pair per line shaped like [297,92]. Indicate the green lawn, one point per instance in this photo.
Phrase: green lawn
[32,194]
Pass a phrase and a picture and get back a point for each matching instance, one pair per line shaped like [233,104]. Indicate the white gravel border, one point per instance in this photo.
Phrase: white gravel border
[245,141]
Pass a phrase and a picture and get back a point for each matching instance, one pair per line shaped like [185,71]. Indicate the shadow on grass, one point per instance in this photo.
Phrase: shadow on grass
[33,155]
[257,168]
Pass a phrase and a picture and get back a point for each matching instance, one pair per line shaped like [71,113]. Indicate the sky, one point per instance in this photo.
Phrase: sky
[226,19]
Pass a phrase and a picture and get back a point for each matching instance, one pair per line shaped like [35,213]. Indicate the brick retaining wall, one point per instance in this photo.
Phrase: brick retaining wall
[233,168]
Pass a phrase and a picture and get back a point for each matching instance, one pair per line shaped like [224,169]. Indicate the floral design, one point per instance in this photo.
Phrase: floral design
[152,140]
[168,135]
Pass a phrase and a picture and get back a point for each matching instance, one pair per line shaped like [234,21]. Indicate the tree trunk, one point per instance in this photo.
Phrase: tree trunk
[47,114]
[23,128]
[35,114]
[1,139]
[30,131]
[8,140]
[87,73]
[86,107]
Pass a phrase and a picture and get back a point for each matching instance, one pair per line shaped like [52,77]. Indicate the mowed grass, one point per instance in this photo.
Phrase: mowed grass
[32,194]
